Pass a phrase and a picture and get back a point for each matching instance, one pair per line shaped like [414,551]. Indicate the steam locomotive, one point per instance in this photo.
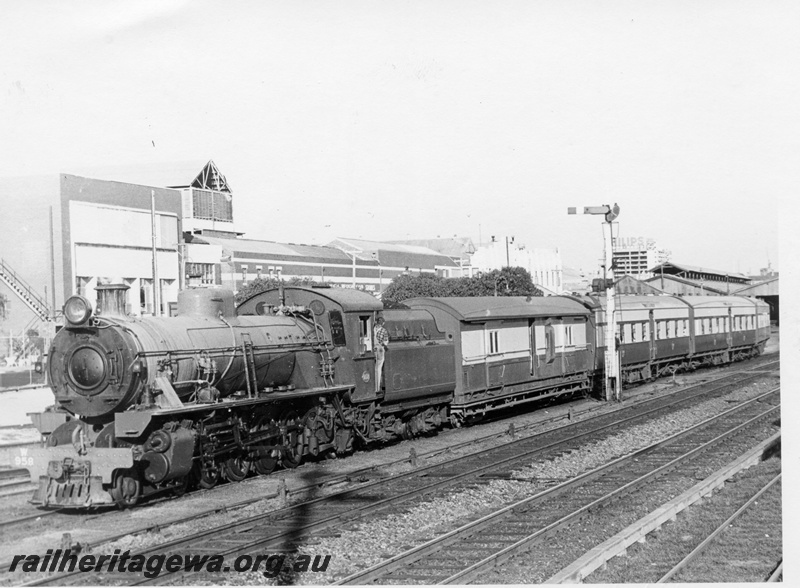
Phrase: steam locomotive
[154,404]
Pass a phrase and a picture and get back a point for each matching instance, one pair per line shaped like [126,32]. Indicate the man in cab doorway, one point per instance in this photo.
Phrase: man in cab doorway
[381,345]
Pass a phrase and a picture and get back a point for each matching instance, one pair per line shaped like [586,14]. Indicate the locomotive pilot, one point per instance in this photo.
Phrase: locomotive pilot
[381,345]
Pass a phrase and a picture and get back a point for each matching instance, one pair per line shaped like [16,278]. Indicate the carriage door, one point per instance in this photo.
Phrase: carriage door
[652,322]
[543,348]
[729,328]
[364,360]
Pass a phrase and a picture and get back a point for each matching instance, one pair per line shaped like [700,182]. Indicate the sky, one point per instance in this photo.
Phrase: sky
[416,119]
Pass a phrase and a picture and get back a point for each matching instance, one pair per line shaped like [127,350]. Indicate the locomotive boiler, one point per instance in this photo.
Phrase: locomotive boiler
[134,395]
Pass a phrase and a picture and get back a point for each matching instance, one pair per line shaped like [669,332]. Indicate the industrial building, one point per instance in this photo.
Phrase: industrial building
[174,222]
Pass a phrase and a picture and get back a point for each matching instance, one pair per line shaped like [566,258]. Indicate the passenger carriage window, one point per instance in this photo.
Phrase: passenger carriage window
[706,326]
[645,331]
[662,329]
[550,343]
[494,342]
[541,339]
[670,329]
[627,333]
[579,334]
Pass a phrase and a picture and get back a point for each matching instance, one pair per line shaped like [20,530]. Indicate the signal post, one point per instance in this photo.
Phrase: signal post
[612,367]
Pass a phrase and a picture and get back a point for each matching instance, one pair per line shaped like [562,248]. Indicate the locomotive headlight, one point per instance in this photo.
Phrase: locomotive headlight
[77,310]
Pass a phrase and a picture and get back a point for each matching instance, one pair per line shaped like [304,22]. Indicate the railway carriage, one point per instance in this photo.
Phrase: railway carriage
[511,350]
[660,335]
[653,335]
[727,328]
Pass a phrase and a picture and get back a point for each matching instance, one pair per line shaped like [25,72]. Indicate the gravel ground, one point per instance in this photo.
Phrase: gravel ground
[360,545]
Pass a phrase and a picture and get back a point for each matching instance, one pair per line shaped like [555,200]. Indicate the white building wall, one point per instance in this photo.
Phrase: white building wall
[544,265]
[113,244]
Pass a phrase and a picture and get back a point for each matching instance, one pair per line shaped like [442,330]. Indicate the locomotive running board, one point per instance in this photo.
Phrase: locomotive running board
[132,423]
[260,399]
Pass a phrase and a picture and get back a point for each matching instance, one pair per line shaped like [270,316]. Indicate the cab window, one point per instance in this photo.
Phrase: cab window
[365,333]
[337,328]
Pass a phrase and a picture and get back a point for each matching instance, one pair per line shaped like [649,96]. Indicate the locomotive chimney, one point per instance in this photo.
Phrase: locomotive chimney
[112,299]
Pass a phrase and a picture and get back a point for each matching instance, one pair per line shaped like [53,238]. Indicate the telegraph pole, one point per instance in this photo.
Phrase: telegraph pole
[156,285]
[612,371]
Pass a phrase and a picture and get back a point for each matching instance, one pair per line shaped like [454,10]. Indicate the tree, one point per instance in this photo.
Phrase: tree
[404,287]
[509,281]
[3,306]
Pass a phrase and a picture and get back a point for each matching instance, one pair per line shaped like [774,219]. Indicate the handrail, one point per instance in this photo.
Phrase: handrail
[24,291]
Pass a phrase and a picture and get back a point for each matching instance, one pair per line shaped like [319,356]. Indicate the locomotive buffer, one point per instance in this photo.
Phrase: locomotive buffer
[612,368]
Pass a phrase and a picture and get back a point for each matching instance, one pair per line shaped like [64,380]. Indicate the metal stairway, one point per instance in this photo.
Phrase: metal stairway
[25,293]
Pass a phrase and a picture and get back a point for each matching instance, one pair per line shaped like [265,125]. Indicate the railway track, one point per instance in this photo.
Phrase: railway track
[288,525]
[762,365]
[469,552]
[698,552]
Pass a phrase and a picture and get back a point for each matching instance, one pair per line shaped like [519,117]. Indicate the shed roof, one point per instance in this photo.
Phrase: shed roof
[273,248]
[670,267]
[769,287]
[393,254]
[158,174]
[628,285]
[685,281]
[481,308]
[454,247]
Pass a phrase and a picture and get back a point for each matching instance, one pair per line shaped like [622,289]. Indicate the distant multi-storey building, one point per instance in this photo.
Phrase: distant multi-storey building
[637,256]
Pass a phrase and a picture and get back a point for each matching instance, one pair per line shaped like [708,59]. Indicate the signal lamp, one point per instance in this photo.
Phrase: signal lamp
[77,310]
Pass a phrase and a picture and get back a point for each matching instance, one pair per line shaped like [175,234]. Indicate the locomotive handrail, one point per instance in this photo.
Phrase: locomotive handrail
[286,348]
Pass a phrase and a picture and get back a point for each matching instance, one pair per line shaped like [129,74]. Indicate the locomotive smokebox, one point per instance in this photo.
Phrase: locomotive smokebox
[112,299]
[206,302]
